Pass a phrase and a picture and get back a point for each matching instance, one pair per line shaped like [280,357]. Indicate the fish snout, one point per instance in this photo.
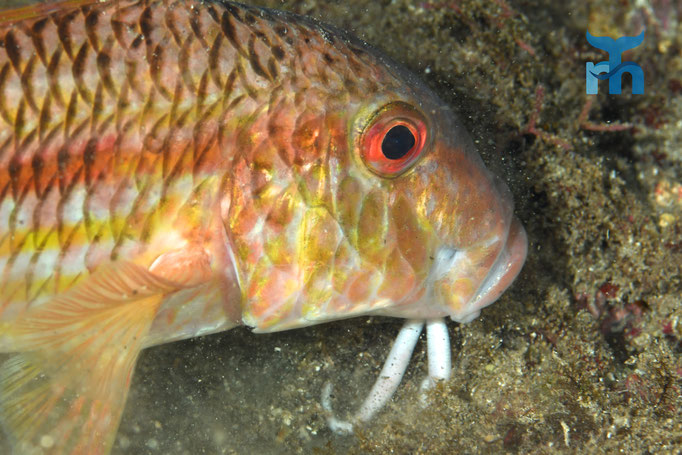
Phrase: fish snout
[463,284]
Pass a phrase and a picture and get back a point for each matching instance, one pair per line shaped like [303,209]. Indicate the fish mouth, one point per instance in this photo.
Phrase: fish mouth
[500,276]
[459,286]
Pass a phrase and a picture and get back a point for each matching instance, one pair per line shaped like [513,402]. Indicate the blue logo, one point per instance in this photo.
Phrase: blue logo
[613,69]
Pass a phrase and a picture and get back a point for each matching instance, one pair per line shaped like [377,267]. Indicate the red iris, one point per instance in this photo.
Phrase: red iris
[393,140]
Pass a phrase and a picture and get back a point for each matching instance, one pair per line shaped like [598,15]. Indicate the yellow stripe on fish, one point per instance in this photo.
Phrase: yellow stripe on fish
[170,168]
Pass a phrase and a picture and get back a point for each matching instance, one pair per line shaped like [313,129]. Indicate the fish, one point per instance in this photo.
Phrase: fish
[174,168]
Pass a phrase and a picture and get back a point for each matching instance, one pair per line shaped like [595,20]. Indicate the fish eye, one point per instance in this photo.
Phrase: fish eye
[397,142]
[393,139]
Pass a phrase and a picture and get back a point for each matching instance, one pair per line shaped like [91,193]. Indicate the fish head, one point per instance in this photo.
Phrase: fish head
[427,216]
[373,200]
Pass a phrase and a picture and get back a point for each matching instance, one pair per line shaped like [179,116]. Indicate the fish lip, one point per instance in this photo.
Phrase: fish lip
[501,275]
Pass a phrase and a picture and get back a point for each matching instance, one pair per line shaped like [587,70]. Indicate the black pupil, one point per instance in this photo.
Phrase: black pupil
[398,141]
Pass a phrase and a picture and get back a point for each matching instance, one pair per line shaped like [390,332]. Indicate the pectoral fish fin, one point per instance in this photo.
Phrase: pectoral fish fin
[64,389]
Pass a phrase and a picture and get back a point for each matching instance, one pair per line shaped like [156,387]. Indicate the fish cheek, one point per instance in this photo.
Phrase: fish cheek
[399,278]
[348,205]
[373,263]
[376,232]
[413,239]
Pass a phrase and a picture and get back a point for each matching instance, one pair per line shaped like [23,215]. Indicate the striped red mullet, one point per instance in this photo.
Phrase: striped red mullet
[174,168]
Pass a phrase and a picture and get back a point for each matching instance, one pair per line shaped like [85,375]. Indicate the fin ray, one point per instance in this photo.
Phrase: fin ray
[65,387]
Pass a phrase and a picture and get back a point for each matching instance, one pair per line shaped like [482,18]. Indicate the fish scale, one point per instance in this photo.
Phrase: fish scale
[119,111]
[175,168]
